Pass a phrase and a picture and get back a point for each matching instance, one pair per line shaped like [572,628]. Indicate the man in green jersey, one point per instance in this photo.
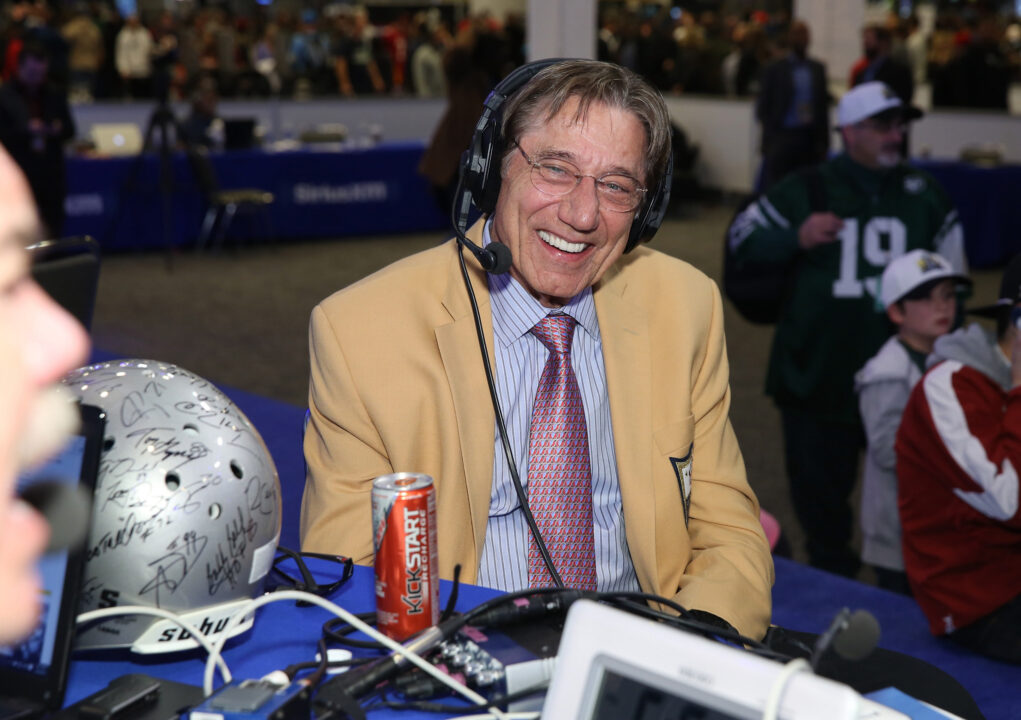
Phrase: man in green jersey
[876,209]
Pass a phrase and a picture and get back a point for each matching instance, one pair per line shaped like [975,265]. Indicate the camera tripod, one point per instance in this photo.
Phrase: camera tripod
[162,134]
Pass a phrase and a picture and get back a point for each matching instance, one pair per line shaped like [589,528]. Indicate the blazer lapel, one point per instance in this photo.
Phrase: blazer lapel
[624,329]
[459,350]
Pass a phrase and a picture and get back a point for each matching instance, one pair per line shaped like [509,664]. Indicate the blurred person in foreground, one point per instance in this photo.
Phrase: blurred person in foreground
[39,343]
[648,492]
[958,454]
[876,209]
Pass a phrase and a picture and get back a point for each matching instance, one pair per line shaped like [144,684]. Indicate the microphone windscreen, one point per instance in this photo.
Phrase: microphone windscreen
[67,509]
[859,637]
[502,257]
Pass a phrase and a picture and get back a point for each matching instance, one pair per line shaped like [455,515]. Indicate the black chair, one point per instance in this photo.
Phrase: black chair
[68,269]
[223,205]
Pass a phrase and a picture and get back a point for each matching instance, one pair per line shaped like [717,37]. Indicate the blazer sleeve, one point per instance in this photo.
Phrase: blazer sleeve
[730,573]
[343,452]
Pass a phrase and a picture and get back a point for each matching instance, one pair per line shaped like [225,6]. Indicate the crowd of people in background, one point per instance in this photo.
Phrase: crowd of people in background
[100,55]
[969,57]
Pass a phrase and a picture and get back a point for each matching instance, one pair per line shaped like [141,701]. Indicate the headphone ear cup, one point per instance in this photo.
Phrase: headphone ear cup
[478,179]
[651,215]
[487,154]
[480,171]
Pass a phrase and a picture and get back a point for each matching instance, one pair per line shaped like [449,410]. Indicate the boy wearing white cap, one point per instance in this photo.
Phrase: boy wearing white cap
[876,209]
[918,293]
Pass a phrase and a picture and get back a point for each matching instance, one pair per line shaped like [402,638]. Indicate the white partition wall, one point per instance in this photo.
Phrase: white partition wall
[836,32]
[727,137]
[564,28]
[724,129]
[499,9]
[391,118]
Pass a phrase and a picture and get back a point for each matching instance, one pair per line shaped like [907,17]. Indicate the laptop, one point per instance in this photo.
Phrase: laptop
[33,674]
[116,138]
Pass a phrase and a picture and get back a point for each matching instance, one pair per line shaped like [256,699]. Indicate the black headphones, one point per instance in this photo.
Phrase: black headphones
[480,164]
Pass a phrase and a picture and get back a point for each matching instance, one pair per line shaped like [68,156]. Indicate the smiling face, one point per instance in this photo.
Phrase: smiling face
[39,342]
[562,245]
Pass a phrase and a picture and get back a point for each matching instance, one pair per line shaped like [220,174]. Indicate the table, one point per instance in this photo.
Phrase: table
[326,192]
[283,634]
[987,199]
[804,598]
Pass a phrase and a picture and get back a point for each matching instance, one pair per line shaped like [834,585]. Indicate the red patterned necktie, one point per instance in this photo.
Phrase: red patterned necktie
[559,475]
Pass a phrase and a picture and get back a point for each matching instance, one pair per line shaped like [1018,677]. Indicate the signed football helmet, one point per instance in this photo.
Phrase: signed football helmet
[186,514]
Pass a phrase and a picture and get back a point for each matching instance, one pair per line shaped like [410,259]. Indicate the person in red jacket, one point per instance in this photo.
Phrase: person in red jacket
[958,454]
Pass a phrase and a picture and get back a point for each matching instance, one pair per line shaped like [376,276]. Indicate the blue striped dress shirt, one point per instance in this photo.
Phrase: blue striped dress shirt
[520,358]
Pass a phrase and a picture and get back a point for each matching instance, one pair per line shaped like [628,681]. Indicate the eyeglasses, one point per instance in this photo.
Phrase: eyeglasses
[556,178]
[885,125]
[307,582]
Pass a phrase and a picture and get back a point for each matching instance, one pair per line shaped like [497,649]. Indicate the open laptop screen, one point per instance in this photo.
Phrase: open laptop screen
[35,671]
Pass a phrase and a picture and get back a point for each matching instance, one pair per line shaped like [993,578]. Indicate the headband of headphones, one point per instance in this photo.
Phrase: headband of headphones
[480,163]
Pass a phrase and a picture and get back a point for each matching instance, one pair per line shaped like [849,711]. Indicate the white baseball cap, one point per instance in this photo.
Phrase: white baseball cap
[911,270]
[868,99]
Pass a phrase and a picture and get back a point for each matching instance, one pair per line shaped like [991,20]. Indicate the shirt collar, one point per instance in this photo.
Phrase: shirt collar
[516,311]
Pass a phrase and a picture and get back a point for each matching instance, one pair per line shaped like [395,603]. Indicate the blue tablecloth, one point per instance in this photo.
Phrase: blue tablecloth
[283,634]
[989,202]
[804,598]
[323,193]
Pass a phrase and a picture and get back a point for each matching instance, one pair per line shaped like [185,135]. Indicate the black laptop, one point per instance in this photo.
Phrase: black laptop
[33,675]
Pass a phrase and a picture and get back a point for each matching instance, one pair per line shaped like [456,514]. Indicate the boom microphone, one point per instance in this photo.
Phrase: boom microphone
[853,636]
[67,509]
[495,258]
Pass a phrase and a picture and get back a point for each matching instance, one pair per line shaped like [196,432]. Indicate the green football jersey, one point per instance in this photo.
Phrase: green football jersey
[832,321]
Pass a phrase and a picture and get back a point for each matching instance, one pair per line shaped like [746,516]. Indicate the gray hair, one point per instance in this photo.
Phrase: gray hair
[592,81]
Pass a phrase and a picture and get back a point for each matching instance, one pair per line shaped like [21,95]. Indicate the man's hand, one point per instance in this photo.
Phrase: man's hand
[819,228]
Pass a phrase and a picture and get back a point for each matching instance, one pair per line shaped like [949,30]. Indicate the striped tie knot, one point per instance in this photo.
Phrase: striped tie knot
[556,332]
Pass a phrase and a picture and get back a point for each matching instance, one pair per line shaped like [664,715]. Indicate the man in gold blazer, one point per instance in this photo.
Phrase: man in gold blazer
[397,382]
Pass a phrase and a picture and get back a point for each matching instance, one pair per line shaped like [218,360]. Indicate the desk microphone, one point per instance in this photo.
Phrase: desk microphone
[67,509]
[853,636]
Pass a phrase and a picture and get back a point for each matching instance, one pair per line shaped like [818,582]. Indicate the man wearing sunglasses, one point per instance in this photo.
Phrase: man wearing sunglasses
[625,450]
[876,209]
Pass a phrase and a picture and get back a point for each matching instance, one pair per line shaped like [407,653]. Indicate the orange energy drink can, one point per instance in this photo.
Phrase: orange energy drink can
[404,537]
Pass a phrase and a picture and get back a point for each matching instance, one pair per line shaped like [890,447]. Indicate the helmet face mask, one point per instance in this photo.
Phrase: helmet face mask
[187,511]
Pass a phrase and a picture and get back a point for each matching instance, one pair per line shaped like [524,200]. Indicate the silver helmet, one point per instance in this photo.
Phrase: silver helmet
[187,506]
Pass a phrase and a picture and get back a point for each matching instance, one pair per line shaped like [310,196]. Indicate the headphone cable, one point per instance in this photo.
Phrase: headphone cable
[501,426]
